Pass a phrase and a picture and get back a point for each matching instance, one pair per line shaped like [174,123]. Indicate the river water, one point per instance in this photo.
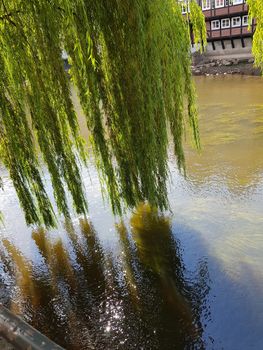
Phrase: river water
[188,279]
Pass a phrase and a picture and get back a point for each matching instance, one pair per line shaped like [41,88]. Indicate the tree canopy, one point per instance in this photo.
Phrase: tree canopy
[130,63]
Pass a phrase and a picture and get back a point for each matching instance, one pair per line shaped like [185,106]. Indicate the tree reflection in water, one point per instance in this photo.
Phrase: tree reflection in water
[83,296]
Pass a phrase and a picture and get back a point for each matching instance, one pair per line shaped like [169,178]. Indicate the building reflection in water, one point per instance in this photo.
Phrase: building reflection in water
[84,296]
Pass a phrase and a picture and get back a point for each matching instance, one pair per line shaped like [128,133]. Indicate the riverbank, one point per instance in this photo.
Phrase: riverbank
[211,65]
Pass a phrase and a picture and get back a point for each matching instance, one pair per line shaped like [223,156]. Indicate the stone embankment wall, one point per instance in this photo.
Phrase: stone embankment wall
[209,65]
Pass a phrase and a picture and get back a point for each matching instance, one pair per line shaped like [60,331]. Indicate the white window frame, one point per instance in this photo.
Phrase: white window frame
[237,2]
[185,6]
[243,22]
[239,24]
[206,5]
[220,4]
[213,27]
[223,26]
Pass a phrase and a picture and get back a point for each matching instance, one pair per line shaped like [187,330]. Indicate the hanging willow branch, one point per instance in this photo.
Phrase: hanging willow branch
[130,62]
[256,12]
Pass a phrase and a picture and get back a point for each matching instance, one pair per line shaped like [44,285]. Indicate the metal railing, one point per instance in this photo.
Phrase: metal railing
[21,335]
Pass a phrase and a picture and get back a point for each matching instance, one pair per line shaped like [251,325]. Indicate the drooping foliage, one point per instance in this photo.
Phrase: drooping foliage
[198,25]
[256,12]
[130,62]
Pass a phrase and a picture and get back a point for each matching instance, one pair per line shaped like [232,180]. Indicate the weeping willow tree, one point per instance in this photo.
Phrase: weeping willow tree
[256,11]
[130,63]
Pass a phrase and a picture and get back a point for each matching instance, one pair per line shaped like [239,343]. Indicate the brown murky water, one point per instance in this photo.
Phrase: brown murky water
[190,279]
